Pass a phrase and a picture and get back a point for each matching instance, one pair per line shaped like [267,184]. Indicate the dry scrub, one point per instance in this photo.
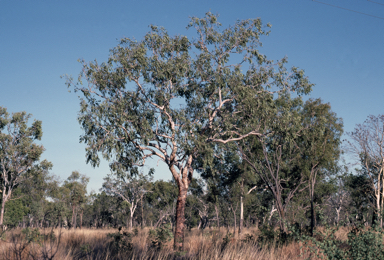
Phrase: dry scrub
[96,244]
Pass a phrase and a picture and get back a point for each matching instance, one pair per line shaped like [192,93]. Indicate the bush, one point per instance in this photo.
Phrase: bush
[365,244]
[160,236]
[362,244]
[121,242]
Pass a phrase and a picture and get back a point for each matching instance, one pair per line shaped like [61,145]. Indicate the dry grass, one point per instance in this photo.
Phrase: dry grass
[94,244]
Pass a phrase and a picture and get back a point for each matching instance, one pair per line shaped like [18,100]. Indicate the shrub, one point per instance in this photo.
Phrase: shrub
[121,242]
[160,236]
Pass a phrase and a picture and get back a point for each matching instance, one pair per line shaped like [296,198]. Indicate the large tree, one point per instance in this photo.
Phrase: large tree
[174,98]
[19,153]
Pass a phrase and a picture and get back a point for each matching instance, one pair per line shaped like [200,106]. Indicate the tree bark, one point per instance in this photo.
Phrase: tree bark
[2,211]
[131,221]
[217,216]
[142,214]
[2,215]
[281,210]
[241,215]
[81,219]
[180,218]
[312,217]
[74,217]
[234,219]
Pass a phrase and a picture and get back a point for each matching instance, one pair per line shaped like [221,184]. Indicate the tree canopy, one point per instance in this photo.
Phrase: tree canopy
[175,98]
[19,154]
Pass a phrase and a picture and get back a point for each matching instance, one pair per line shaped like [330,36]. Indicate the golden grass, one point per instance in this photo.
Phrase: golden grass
[94,244]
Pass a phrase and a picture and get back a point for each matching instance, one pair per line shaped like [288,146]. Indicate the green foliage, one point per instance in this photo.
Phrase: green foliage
[76,183]
[121,242]
[249,239]
[365,244]
[362,244]
[326,243]
[19,154]
[182,99]
[86,251]
[268,235]
[226,240]
[15,210]
[34,236]
[161,235]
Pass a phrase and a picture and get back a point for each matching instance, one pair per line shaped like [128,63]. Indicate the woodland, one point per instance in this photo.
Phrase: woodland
[256,164]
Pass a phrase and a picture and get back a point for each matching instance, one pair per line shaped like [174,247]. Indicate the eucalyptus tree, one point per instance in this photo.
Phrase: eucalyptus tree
[367,144]
[161,201]
[362,200]
[230,177]
[320,144]
[175,98]
[102,209]
[76,184]
[34,193]
[274,157]
[130,188]
[19,153]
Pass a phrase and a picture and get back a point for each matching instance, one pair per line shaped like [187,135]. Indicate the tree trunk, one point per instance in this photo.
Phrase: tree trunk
[338,215]
[142,215]
[180,218]
[74,217]
[241,215]
[312,216]
[81,219]
[131,221]
[281,211]
[234,222]
[217,216]
[2,211]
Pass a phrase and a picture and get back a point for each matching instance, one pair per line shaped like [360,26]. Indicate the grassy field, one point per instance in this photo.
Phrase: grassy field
[97,244]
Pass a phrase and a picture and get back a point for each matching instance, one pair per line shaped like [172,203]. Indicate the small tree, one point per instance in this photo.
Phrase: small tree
[320,145]
[367,144]
[161,201]
[18,152]
[130,188]
[76,183]
[174,98]
[274,157]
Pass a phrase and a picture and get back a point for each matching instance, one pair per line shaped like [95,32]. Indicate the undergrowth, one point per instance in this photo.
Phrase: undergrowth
[157,244]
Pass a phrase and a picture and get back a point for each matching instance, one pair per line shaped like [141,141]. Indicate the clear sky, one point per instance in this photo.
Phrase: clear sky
[339,44]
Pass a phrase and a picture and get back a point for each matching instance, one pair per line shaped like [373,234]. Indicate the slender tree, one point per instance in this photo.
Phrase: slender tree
[129,188]
[18,152]
[274,157]
[173,98]
[320,145]
[161,201]
[367,145]
[76,183]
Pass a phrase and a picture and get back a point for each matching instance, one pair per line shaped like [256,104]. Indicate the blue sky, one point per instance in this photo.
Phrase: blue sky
[341,52]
